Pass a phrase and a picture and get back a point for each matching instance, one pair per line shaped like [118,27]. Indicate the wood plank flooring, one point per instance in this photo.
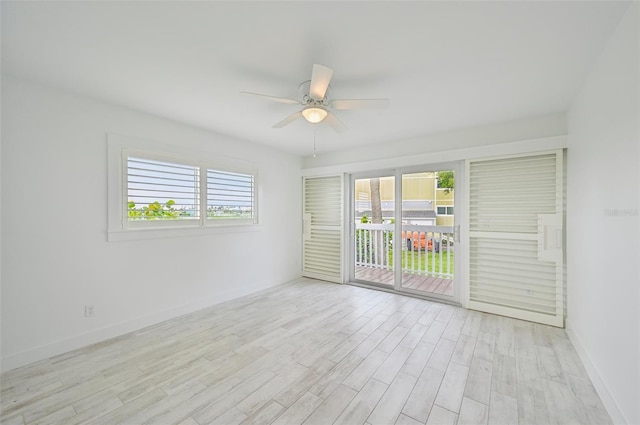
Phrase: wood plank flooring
[433,285]
[311,352]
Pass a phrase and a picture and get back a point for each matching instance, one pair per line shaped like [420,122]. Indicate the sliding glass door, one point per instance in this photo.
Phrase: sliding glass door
[373,224]
[428,239]
[403,233]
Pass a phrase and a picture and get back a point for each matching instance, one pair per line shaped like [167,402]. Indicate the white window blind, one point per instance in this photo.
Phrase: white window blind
[160,190]
[322,233]
[230,195]
[515,237]
[163,192]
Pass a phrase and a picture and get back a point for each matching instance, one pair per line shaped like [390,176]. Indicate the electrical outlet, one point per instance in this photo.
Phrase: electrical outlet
[89,311]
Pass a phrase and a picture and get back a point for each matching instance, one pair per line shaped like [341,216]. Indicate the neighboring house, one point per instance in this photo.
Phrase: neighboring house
[423,201]
[426,217]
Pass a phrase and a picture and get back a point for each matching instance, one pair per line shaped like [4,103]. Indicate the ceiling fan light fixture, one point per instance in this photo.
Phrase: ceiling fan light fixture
[314,114]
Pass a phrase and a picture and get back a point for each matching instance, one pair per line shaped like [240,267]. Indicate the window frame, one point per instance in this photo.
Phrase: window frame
[205,198]
[121,148]
[446,210]
[142,224]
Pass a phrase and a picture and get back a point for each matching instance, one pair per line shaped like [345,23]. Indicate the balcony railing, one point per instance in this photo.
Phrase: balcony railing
[426,250]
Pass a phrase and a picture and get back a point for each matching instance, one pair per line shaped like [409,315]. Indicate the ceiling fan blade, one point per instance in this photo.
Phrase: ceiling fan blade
[274,98]
[291,118]
[320,79]
[343,104]
[337,125]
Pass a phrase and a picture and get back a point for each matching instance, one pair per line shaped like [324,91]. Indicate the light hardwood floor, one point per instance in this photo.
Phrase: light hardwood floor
[311,352]
[434,285]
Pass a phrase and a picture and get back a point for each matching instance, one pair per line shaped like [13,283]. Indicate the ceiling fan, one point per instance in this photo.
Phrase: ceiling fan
[317,106]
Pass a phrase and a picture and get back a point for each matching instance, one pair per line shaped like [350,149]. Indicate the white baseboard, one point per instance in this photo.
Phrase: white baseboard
[75,342]
[601,388]
[46,351]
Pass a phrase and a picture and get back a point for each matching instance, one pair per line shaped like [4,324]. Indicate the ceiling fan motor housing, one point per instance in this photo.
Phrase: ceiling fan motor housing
[306,97]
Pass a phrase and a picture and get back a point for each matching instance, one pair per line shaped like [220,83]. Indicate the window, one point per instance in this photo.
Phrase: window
[157,191]
[230,195]
[168,192]
[444,210]
[161,190]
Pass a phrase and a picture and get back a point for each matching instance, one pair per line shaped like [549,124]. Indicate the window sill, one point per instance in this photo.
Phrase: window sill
[178,232]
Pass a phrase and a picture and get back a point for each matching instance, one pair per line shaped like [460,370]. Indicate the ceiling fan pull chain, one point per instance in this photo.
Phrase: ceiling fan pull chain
[314,139]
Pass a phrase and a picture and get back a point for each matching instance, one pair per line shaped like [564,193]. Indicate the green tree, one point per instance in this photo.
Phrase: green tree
[446,180]
[153,211]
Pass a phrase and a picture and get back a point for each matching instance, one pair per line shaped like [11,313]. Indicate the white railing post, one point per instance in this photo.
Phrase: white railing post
[373,245]
[372,238]
[429,251]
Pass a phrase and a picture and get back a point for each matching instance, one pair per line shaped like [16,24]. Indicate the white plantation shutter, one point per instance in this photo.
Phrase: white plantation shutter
[322,233]
[515,237]
[162,191]
[154,184]
[230,195]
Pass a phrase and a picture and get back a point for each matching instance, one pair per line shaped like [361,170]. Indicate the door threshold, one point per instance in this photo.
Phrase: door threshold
[407,294]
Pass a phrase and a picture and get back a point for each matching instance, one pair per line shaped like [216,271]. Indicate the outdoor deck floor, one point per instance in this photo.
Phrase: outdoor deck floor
[434,285]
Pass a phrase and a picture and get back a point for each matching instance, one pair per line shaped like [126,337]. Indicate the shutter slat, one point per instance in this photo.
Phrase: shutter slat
[506,197]
[230,194]
[150,181]
[322,256]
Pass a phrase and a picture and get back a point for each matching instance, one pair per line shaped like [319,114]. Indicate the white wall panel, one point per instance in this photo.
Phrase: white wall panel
[603,222]
[55,254]
[323,224]
[515,237]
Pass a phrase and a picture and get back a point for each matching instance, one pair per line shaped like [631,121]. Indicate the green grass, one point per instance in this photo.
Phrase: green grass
[410,259]
[409,256]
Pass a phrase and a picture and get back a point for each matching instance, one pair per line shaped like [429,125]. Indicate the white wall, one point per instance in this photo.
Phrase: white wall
[472,140]
[603,250]
[55,253]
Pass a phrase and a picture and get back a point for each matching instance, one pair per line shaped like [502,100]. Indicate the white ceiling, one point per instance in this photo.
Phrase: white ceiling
[443,65]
